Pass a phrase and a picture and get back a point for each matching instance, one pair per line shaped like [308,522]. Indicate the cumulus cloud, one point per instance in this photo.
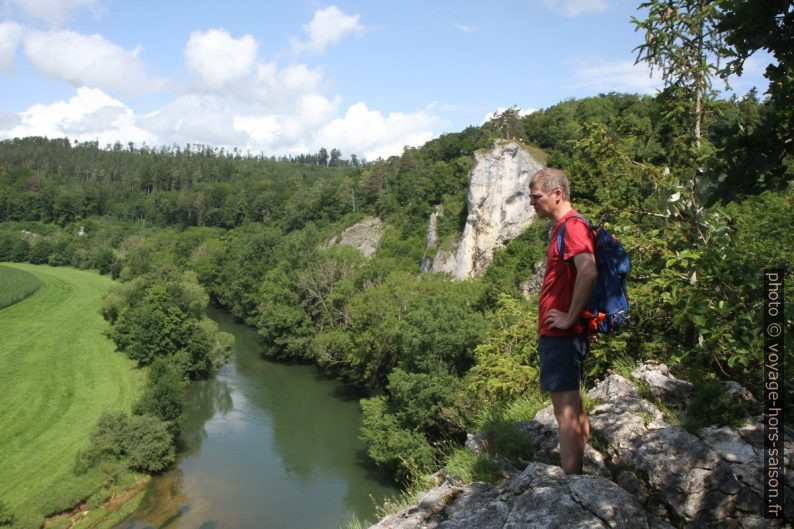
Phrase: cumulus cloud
[223,121]
[10,36]
[620,76]
[89,60]
[53,11]
[281,88]
[194,118]
[90,115]
[328,26]
[573,8]
[219,58]
[236,100]
[373,135]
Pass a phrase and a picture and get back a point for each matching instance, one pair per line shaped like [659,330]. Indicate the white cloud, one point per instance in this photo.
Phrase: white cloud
[260,129]
[192,118]
[89,115]
[280,89]
[236,100]
[218,57]
[369,133]
[312,112]
[89,60]
[10,36]
[53,11]
[226,122]
[573,8]
[328,26]
[620,76]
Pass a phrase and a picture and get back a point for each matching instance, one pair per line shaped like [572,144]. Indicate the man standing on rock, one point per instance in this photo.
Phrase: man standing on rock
[567,286]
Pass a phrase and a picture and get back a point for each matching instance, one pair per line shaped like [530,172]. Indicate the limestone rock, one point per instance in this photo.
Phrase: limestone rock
[662,383]
[432,239]
[661,472]
[713,482]
[365,236]
[498,209]
[540,497]
[737,391]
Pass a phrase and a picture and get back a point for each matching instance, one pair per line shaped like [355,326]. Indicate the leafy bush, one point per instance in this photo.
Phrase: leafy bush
[163,396]
[710,404]
[506,360]
[161,315]
[402,450]
[148,445]
[143,442]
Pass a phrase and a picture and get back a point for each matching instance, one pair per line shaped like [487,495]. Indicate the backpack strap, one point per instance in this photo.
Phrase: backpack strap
[561,233]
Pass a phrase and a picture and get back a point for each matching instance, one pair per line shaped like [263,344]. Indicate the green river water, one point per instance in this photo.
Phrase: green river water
[265,445]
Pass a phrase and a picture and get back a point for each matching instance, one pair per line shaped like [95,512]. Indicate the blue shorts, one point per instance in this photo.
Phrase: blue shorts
[561,361]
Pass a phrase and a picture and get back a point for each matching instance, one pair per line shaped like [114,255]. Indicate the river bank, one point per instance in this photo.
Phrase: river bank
[265,443]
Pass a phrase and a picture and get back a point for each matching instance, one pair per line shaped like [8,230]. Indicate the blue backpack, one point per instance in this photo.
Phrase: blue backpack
[608,306]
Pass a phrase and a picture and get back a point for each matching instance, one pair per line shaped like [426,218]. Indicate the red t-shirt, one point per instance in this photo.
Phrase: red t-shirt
[557,290]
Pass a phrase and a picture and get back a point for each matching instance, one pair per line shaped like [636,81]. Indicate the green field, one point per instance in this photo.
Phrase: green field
[58,373]
[16,285]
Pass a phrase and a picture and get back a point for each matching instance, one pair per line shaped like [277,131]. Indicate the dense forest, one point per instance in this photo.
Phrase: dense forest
[698,188]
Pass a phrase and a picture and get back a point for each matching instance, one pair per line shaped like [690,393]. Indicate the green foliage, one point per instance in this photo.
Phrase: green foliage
[682,40]
[148,444]
[16,285]
[143,442]
[506,124]
[163,396]
[750,153]
[506,360]
[420,401]
[504,438]
[391,445]
[468,466]
[161,315]
[282,321]
[755,25]
[710,404]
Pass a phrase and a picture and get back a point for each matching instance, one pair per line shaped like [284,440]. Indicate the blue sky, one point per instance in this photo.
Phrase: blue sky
[289,77]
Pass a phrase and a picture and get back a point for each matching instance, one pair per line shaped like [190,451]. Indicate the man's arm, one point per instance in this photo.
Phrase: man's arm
[586,274]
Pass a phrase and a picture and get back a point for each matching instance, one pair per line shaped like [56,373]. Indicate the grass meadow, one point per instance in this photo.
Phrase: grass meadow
[58,373]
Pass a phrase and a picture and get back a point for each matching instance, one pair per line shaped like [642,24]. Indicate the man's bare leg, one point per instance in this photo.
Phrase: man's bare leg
[574,428]
[585,424]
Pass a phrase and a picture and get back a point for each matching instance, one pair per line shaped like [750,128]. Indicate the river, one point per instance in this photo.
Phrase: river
[264,445]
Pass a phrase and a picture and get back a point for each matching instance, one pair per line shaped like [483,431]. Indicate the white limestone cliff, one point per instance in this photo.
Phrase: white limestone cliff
[364,236]
[498,209]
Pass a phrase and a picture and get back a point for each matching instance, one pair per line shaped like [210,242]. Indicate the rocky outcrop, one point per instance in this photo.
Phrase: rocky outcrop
[498,209]
[645,473]
[365,236]
[540,497]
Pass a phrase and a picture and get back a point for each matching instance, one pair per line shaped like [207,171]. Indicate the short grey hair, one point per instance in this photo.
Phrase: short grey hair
[549,179]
